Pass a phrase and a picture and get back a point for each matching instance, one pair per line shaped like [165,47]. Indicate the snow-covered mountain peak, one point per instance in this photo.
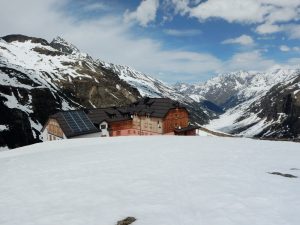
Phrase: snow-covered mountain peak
[64,46]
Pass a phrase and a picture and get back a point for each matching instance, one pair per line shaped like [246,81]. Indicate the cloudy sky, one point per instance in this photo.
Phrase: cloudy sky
[173,40]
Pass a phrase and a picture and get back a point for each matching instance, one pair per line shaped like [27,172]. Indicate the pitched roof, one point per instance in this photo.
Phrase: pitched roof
[108,114]
[154,107]
[74,123]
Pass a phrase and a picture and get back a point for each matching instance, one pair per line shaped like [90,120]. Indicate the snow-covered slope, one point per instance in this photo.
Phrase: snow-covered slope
[273,110]
[250,103]
[157,180]
[147,85]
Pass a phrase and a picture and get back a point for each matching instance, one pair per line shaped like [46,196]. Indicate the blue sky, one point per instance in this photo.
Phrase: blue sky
[173,40]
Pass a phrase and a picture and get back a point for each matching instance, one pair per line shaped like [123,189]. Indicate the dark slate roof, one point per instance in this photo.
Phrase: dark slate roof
[108,114]
[154,107]
[74,123]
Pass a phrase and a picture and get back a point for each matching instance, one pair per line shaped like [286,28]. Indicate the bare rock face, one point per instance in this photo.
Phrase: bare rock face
[24,106]
[23,38]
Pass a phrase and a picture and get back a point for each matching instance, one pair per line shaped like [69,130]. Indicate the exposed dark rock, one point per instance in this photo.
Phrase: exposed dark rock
[283,174]
[126,221]
[282,104]
[23,38]
[47,52]
[20,132]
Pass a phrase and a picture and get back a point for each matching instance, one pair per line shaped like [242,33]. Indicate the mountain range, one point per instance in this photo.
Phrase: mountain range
[255,104]
[39,78]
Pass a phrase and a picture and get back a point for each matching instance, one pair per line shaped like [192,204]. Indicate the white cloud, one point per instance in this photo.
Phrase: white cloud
[181,6]
[95,7]
[112,40]
[284,48]
[144,14]
[252,60]
[246,11]
[182,33]
[107,38]
[293,30]
[296,49]
[294,62]
[267,15]
[242,40]
[268,28]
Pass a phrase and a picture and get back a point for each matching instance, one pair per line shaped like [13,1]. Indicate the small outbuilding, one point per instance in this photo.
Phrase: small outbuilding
[69,124]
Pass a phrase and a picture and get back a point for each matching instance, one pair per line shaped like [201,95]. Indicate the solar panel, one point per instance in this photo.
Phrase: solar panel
[85,120]
[78,121]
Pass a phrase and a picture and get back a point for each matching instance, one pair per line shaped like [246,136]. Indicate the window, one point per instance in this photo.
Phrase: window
[158,124]
[103,126]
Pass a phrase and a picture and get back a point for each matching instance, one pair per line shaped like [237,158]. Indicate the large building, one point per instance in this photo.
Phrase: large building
[148,116]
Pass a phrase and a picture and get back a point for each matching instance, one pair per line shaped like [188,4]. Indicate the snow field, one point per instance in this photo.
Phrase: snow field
[158,180]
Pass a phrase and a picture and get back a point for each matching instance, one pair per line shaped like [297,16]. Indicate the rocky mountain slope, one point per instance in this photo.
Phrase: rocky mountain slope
[256,104]
[38,78]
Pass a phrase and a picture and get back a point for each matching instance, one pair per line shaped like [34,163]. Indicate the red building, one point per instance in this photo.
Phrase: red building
[148,116]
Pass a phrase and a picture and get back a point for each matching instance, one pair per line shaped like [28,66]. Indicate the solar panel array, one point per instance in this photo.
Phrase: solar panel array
[78,121]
